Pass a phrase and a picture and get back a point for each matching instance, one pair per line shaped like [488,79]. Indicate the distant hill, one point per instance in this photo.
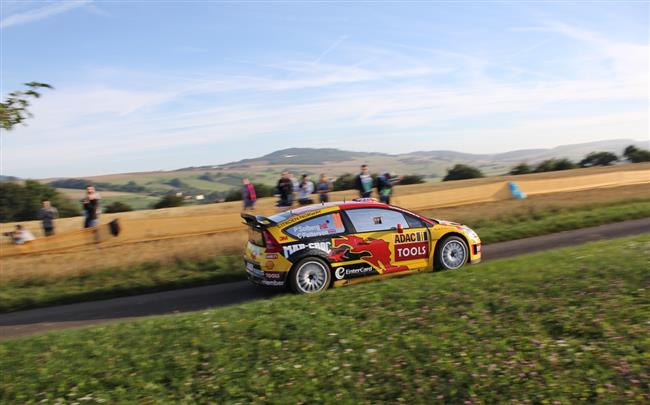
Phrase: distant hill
[8,178]
[319,156]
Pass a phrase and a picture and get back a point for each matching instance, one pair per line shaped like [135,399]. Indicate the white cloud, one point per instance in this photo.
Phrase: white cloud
[41,13]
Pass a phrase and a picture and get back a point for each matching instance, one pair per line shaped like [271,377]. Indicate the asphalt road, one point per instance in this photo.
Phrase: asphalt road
[35,321]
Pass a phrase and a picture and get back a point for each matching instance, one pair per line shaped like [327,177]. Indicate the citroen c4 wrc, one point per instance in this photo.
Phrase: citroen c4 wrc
[330,245]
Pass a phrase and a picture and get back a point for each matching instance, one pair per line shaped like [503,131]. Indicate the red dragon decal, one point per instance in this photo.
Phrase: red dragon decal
[376,252]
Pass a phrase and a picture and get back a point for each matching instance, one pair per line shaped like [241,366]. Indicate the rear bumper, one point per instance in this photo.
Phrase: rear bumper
[264,278]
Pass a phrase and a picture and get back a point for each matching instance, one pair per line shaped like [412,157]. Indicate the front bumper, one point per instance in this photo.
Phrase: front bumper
[264,278]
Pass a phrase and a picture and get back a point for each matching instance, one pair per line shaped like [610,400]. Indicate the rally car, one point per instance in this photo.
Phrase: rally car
[335,244]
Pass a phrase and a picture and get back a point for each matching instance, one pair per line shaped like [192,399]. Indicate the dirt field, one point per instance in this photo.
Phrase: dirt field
[91,257]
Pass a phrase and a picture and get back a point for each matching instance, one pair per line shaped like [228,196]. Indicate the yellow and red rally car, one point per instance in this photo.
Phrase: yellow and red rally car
[335,244]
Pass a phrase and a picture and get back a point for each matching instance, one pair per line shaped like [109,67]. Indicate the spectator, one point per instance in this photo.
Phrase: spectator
[385,187]
[305,189]
[47,214]
[364,182]
[91,207]
[20,235]
[248,195]
[323,188]
[296,187]
[285,189]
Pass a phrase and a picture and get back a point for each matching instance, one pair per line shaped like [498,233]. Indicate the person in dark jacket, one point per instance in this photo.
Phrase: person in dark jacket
[364,182]
[90,205]
[285,189]
[385,187]
[47,214]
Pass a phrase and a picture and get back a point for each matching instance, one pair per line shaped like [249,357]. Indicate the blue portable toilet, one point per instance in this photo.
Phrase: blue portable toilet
[514,190]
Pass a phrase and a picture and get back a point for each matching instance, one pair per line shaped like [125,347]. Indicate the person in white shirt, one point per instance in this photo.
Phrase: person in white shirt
[305,190]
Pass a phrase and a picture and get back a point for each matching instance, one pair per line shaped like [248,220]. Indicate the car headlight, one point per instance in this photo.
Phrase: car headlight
[472,235]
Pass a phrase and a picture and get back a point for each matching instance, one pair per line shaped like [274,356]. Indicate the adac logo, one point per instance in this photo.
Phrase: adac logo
[411,237]
[376,252]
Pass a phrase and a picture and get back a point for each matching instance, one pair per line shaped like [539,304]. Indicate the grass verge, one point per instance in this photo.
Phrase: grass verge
[35,291]
[568,325]
[106,283]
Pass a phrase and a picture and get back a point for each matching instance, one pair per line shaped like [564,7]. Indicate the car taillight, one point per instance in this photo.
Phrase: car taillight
[272,245]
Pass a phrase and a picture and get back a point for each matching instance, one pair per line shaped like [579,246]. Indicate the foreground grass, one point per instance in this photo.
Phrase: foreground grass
[37,291]
[568,325]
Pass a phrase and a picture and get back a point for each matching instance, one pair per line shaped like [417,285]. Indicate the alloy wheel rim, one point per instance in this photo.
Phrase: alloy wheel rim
[312,277]
[453,254]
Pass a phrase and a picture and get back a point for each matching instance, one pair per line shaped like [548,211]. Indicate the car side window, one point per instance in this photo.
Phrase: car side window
[415,222]
[376,219]
[323,225]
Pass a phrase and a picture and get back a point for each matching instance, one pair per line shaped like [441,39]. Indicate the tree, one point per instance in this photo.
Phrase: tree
[345,181]
[598,159]
[22,202]
[411,179]
[462,172]
[521,168]
[169,201]
[117,206]
[551,165]
[636,155]
[14,110]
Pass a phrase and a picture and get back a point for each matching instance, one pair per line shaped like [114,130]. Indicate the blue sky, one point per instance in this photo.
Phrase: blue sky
[162,85]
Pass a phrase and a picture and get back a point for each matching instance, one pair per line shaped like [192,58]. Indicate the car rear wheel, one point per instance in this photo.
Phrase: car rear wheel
[452,253]
[310,275]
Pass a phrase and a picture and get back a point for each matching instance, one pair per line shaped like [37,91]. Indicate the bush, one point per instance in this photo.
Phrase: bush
[411,179]
[636,155]
[117,206]
[598,159]
[552,165]
[462,172]
[169,201]
[521,168]
[22,202]
[345,181]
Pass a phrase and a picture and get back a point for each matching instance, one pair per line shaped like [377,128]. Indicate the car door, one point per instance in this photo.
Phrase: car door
[387,240]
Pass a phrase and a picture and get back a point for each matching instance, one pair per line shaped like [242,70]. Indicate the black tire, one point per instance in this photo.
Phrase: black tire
[452,253]
[310,275]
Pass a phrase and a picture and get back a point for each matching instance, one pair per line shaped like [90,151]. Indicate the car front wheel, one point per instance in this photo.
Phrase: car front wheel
[310,275]
[452,253]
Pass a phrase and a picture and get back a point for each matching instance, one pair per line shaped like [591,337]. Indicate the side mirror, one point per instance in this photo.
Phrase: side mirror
[400,228]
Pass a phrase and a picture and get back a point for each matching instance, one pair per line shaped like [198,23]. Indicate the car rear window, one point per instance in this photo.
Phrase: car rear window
[323,225]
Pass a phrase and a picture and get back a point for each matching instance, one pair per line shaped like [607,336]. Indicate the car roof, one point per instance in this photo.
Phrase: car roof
[341,205]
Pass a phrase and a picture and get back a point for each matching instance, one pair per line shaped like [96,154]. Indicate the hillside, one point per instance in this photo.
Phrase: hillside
[214,181]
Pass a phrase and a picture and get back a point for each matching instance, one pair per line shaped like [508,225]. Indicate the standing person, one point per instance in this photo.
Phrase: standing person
[285,189]
[385,187]
[323,188]
[305,189]
[47,214]
[248,195]
[296,187]
[364,182]
[90,205]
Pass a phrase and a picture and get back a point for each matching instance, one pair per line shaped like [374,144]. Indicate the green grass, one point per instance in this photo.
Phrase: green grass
[545,221]
[568,325]
[117,282]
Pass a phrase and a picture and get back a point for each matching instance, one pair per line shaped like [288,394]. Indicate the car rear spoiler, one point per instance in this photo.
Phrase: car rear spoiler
[257,221]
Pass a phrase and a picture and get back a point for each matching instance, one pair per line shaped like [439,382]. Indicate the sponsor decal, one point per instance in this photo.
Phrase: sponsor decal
[284,238]
[375,252]
[412,251]
[291,249]
[299,218]
[269,265]
[271,256]
[350,272]
[273,283]
[411,237]
[272,275]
